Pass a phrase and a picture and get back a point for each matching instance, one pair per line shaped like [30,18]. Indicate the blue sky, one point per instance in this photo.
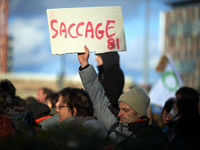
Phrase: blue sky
[32,53]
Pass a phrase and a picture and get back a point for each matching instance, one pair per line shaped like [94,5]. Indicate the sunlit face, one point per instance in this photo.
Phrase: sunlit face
[41,96]
[99,60]
[63,111]
[127,114]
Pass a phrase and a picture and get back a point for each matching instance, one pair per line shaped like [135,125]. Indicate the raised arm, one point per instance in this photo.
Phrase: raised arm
[102,107]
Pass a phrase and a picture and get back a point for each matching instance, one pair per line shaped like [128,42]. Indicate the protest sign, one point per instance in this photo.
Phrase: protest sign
[101,29]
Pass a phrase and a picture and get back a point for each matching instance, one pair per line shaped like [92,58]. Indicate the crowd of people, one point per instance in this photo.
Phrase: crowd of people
[74,118]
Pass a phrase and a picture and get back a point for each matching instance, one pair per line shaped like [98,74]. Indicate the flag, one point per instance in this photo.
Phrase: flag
[169,82]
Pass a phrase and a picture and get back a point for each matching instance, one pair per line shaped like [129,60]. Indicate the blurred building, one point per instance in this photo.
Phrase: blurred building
[4,36]
[180,37]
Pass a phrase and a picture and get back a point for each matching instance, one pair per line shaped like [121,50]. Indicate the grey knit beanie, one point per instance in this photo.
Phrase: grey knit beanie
[137,99]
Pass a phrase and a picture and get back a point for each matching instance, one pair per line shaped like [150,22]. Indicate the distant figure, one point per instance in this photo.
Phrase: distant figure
[187,92]
[7,92]
[14,107]
[30,99]
[166,110]
[187,122]
[23,119]
[110,75]
[7,88]
[51,100]
[42,93]
[168,125]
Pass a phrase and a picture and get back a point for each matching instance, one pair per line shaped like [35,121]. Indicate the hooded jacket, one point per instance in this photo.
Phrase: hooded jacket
[140,131]
[111,76]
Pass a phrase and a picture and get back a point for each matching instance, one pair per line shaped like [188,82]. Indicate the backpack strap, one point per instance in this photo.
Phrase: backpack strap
[113,110]
[115,113]
[112,128]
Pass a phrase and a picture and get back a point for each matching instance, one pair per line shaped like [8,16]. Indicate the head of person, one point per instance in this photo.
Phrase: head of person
[133,105]
[7,88]
[107,59]
[7,92]
[30,99]
[22,118]
[187,92]
[99,60]
[38,109]
[42,93]
[16,106]
[185,108]
[51,100]
[73,102]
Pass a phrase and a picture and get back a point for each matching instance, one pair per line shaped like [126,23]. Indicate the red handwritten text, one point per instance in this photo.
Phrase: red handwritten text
[86,29]
[90,30]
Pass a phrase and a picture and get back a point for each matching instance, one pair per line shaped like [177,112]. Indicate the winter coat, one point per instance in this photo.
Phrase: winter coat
[111,77]
[140,130]
[24,123]
[50,123]
[87,122]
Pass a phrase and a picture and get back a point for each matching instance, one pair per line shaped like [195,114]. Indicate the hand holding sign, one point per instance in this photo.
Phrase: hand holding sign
[101,28]
[83,57]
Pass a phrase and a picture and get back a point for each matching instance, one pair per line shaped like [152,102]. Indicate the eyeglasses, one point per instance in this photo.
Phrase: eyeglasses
[59,107]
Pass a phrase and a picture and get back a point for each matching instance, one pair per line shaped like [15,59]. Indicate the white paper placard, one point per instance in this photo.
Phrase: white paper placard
[101,29]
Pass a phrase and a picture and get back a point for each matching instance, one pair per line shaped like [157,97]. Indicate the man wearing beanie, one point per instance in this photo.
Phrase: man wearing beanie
[128,128]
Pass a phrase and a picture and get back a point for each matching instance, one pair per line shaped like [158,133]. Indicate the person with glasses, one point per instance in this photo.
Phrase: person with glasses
[75,109]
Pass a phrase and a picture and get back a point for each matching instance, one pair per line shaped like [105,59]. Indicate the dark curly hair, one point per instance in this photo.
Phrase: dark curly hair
[79,99]
[7,88]
[189,93]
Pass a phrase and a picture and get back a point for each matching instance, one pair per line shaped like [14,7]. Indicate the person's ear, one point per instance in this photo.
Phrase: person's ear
[74,111]
[139,115]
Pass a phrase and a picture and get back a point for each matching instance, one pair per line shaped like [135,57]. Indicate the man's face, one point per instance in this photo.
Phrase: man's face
[63,111]
[127,114]
[41,96]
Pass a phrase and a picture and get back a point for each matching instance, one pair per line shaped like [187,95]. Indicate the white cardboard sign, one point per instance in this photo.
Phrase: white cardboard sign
[101,29]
